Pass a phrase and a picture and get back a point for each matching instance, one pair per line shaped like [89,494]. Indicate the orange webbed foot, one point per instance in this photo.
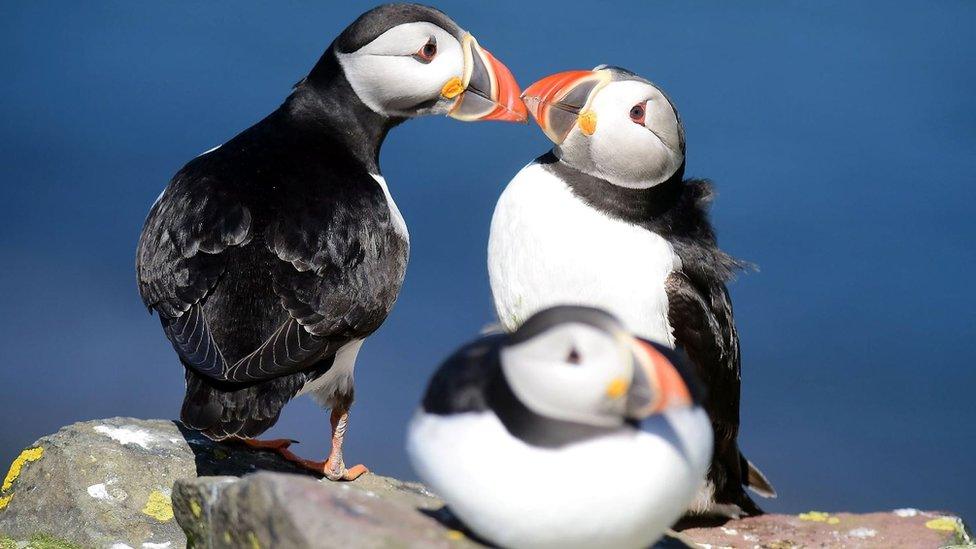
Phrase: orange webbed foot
[328,470]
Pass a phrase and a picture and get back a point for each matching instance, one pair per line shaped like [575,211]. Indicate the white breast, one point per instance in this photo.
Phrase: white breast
[621,490]
[547,247]
[398,223]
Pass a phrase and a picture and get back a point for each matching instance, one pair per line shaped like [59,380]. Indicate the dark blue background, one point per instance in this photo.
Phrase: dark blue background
[842,139]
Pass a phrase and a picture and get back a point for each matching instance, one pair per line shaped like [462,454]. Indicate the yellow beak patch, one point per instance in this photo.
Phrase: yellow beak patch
[617,388]
[587,122]
[452,88]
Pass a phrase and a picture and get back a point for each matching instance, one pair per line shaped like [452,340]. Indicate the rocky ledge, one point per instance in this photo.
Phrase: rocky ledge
[127,483]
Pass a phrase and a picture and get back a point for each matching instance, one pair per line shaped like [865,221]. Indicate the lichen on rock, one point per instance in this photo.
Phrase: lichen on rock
[126,483]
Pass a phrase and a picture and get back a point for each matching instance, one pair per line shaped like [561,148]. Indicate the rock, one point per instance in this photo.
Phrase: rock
[107,483]
[281,510]
[125,482]
[899,528]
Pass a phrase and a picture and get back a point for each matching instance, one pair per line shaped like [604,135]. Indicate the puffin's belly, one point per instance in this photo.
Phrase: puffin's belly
[615,491]
[548,247]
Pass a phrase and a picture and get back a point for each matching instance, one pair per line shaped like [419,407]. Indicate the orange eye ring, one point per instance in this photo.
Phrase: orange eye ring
[638,112]
[427,53]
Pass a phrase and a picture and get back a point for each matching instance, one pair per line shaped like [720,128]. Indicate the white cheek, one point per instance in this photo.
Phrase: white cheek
[391,84]
[623,149]
[629,154]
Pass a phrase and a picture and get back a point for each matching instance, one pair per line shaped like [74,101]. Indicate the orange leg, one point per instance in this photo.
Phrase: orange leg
[277,445]
[333,468]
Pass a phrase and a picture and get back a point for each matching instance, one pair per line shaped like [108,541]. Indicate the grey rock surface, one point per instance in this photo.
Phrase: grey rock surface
[124,482]
[910,528]
[282,510]
[108,483]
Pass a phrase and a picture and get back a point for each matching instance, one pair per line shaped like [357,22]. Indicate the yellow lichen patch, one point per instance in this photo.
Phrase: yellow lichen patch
[455,535]
[452,88]
[5,500]
[587,122]
[818,516]
[25,457]
[252,540]
[947,524]
[159,507]
[227,538]
[195,508]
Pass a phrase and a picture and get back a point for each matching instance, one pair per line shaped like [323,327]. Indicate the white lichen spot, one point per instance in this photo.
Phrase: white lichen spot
[120,545]
[750,537]
[730,531]
[164,545]
[127,434]
[99,491]
[907,512]
[862,533]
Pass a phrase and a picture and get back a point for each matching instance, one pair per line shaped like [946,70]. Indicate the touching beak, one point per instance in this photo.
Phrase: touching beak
[486,91]
[658,385]
[561,101]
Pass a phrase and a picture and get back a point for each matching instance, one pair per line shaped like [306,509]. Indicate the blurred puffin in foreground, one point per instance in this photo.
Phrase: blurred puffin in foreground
[271,258]
[606,220]
[532,438]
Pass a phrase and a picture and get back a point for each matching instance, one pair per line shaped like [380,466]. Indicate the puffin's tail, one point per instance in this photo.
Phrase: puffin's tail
[728,477]
[223,410]
[755,479]
[750,477]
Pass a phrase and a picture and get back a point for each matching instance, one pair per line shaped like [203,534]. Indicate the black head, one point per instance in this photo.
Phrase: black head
[406,60]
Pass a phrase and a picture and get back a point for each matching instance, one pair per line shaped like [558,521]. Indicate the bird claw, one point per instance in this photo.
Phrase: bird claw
[327,470]
[345,474]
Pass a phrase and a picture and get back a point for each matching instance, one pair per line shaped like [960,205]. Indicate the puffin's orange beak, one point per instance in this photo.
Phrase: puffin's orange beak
[657,386]
[487,90]
[559,101]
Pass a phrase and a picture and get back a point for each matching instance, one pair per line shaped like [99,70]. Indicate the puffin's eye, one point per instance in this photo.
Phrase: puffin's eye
[573,357]
[426,54]
[637,113]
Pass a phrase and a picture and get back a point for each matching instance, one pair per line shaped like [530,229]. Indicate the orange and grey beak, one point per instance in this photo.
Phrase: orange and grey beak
[561,101]
[486,91]
[659,383]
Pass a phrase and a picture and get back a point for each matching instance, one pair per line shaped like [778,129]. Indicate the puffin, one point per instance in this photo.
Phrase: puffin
[605,219]
[567,432]
[271,258]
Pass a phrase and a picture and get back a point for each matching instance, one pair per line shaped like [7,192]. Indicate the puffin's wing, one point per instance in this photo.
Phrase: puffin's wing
[700,314]
[327,278]
[701,320]
[180,258]
[333,275]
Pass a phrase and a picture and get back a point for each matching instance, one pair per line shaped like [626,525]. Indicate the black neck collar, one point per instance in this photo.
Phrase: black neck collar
[636,206]
[325,103]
